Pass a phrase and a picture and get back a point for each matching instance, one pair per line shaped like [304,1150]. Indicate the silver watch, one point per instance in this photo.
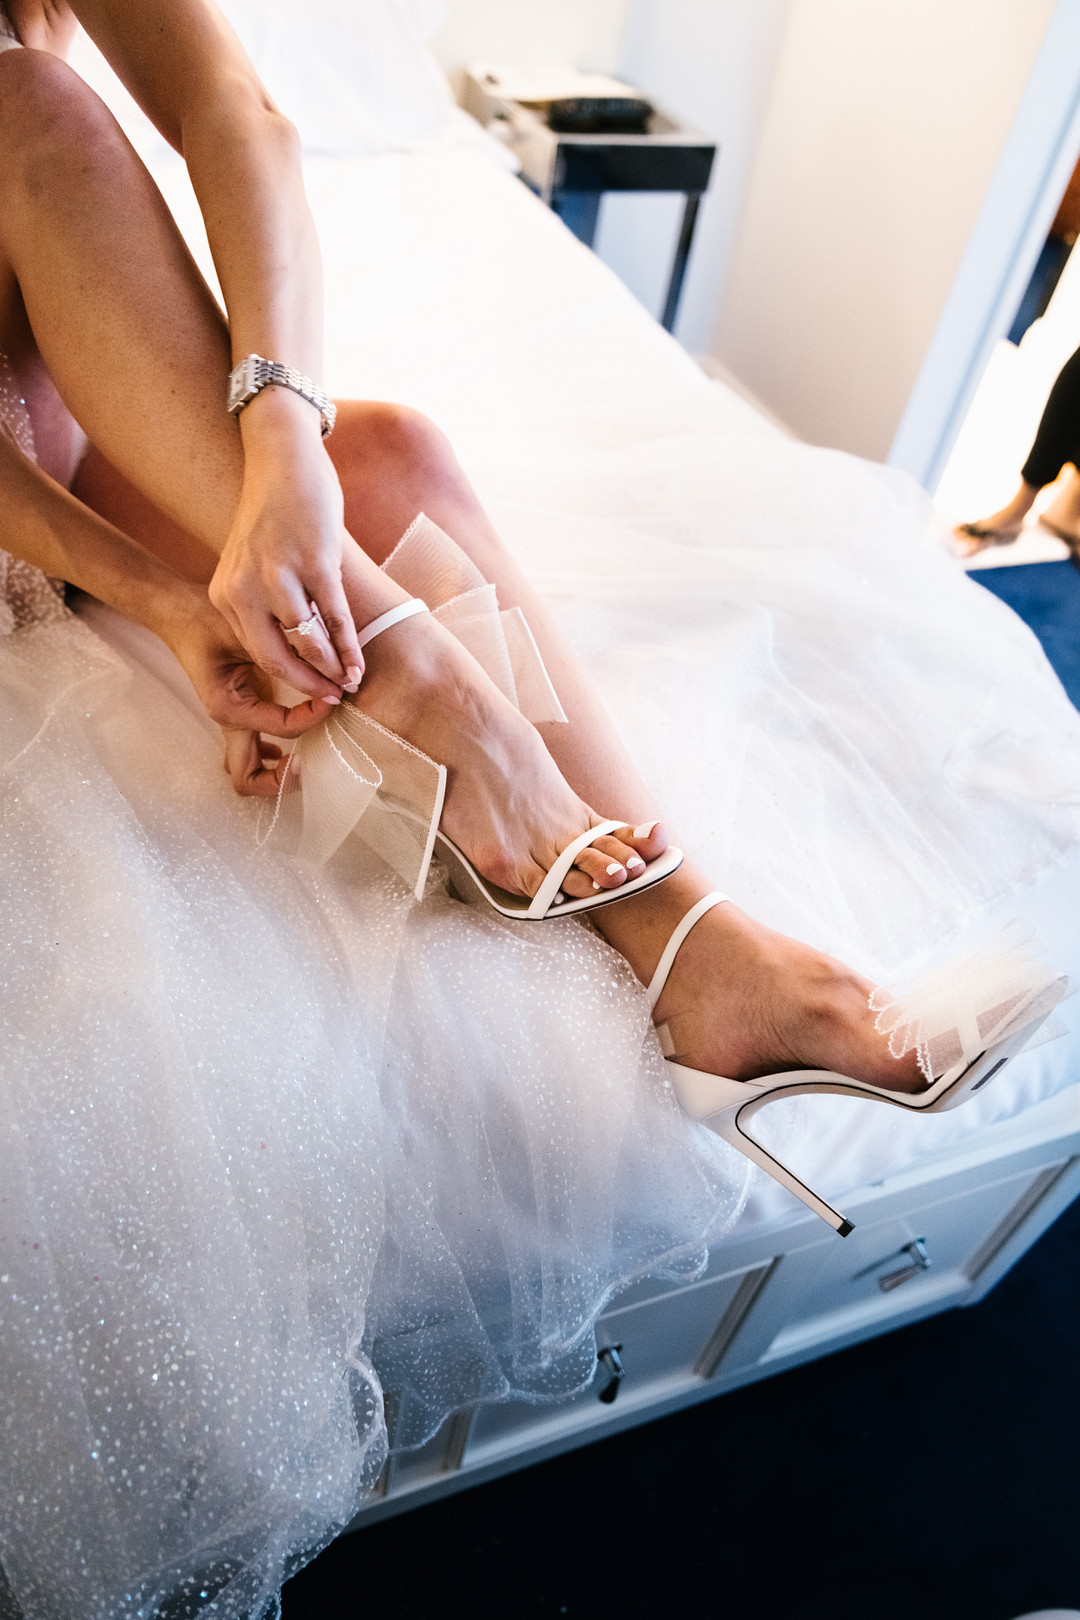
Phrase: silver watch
[250,376]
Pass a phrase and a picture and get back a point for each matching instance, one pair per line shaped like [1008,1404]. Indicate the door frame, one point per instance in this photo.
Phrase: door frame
[1039,155]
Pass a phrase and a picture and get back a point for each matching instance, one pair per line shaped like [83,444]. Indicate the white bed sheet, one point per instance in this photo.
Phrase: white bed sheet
[858,743]
[450,288]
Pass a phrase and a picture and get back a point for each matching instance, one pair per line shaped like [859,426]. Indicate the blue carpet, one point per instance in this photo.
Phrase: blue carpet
[1047,597]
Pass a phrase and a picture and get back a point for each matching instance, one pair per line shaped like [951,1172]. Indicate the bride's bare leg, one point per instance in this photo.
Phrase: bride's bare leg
[124,328]
[137,349]
[742,1000]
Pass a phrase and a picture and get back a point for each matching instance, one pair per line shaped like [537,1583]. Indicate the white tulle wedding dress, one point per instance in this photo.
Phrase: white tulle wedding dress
[280,1151]
[286,1155]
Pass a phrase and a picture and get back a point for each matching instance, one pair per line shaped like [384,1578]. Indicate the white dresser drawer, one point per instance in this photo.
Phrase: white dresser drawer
[775,1299]
[664,1343]
[925,1256]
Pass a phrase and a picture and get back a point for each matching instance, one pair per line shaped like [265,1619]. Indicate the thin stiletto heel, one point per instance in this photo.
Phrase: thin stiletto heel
[726,1106]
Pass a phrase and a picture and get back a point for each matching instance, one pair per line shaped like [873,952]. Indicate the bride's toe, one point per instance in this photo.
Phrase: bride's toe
[648,841]
[615,859]
[591,871]
[610,862]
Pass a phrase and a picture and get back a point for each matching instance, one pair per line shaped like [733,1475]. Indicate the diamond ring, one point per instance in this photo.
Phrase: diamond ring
[307,627]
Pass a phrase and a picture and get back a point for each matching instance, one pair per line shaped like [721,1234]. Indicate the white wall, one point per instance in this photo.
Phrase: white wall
[860,144]
[582,34]
[884,128]
[711,62]
[708,61]
[1030,178]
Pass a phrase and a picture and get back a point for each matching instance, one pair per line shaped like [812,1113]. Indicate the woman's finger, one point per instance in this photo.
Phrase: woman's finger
[280,721]
[245,766]
[329,597]
[310,641]
[265,642]
[241,708]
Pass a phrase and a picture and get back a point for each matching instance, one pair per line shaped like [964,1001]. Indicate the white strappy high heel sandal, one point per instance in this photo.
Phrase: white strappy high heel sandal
[549,900]
[727,1106]
[355,774]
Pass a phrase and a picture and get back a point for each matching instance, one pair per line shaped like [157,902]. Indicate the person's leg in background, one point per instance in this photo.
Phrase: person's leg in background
[1057,444]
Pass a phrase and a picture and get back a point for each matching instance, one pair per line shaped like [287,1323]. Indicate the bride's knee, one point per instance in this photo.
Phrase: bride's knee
[50,120]
[376,437]
[393,462]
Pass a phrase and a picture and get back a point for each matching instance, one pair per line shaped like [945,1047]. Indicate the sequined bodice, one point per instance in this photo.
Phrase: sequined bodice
[27,596]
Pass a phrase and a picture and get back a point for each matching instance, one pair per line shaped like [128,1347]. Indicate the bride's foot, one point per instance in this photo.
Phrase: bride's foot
[507,806]
[744,1001]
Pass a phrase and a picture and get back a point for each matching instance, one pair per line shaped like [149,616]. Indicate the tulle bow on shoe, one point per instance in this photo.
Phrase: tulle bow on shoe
[952,1014]
[351,779]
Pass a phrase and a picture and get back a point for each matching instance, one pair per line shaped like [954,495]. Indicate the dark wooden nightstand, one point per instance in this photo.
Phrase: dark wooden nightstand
[572,172]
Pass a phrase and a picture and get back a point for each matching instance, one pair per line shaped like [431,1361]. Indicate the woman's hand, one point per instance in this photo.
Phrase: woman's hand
[284,551]
[236,693]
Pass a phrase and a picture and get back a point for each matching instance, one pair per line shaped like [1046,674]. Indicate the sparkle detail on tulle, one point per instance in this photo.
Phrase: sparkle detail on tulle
[291,1167]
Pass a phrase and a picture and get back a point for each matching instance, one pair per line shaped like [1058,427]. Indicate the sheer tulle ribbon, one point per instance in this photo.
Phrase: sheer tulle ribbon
[351,782]
[955,1012]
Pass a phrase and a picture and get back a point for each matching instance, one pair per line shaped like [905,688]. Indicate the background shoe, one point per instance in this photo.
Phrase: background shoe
[987,537]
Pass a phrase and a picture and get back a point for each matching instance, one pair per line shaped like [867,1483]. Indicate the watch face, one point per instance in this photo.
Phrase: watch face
[241,383]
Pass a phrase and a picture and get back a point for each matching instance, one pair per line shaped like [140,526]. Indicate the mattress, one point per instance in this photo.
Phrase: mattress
[648,502]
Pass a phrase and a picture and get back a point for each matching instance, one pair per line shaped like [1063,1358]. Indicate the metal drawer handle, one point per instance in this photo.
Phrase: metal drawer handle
[611,1362]
[920,1261]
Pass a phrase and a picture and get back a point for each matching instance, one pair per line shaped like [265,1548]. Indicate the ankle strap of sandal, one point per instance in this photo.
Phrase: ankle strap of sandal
[385,621]
[671,949]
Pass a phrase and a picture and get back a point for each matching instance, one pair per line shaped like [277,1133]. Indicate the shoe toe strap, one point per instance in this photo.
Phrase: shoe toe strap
[671,949]
[545,894]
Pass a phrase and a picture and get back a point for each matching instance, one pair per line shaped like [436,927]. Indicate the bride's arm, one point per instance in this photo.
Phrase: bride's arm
[185,67]
[47,526]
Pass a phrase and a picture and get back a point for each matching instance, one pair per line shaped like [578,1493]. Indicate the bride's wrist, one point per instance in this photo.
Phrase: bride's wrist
[139,585]
[278,422]
[174,609]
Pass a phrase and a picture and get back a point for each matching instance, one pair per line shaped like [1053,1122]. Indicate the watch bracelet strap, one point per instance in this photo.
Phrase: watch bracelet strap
[268,372]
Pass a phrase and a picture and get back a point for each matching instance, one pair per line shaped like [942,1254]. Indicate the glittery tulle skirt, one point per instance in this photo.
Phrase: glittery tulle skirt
[280,1153]
[285,1154]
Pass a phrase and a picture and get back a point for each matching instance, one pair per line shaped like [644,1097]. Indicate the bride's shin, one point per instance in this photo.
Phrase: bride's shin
[394,462]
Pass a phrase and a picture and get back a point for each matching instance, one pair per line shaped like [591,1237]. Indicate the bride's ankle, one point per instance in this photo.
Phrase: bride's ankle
[414,674]
[640,926]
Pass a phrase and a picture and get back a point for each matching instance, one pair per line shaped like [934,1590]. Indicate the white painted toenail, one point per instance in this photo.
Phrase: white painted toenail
[559,898]
[634,861]
[645,829]
[596,885]
[616,866]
